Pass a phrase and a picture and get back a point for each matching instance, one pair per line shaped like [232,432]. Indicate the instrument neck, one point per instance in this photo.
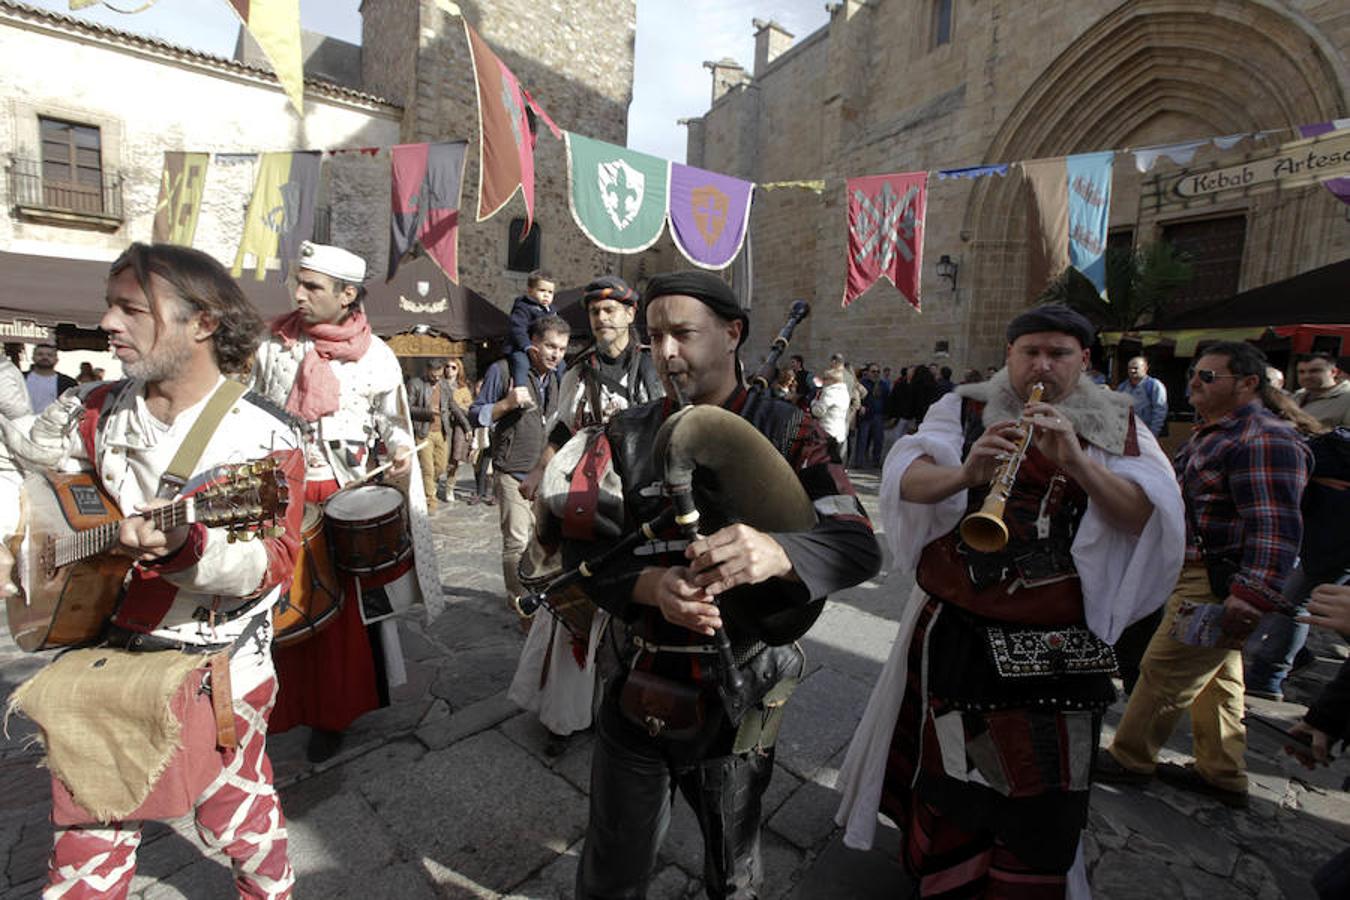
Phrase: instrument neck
[82,545]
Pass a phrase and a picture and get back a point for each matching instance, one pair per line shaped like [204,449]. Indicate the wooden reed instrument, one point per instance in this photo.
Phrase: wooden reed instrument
[984,530]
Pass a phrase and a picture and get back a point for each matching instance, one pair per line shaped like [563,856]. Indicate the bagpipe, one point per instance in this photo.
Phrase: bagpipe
[718,470]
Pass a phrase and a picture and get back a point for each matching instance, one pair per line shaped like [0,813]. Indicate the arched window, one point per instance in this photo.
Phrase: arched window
[942,22]
[522,253]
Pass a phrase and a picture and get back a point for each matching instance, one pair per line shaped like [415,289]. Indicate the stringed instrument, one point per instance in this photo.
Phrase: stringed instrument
[69,583]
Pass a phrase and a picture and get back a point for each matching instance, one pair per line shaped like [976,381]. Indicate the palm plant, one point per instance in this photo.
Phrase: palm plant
[1140,282]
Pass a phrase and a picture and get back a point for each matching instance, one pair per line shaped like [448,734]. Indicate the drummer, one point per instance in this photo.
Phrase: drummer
[323,364]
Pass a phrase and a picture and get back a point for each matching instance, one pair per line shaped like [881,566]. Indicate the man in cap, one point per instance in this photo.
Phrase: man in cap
[978,738]
[429,400]
[323,365]
[669,594]
[611,376]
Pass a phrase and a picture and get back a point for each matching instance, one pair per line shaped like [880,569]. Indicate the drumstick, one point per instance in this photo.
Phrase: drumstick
[381,469]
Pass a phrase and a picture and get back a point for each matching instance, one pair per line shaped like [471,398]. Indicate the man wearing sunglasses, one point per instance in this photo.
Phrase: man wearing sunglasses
[1242,474]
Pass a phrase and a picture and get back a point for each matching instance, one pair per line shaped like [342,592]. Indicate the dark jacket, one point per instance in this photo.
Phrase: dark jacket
[1330,712]
[518,437]
[419,406]
[523,312]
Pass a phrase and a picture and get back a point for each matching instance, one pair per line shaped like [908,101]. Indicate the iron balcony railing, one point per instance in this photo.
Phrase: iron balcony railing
[28,188]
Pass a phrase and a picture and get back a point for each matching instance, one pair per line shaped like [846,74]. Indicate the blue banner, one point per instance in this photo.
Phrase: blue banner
[1089,177]
[973,171]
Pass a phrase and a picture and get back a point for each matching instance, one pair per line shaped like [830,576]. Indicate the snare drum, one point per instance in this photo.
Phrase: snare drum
[368,529]
[315,596]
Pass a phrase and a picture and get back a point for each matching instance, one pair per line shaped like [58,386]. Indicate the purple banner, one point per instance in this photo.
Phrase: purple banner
[709,214]
[1340,187]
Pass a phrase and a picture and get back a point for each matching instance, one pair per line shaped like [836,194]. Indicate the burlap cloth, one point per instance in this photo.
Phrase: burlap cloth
[108,723]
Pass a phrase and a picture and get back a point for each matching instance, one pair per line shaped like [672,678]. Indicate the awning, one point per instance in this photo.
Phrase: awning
[41,292]
[1185,340]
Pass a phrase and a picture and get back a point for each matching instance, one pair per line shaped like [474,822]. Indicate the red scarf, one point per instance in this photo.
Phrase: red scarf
[315,392]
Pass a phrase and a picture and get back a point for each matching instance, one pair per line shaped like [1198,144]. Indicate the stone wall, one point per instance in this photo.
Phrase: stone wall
[1018,81]
[574,56]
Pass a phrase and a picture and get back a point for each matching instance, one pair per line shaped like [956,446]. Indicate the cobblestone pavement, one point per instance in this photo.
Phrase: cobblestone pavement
[448,793]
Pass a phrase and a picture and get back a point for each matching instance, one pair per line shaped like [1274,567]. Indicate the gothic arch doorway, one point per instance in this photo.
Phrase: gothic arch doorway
[1153,67]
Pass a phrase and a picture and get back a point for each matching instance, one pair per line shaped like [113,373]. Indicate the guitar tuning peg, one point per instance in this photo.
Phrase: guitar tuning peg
[245,535]
[274,531]
[230,537]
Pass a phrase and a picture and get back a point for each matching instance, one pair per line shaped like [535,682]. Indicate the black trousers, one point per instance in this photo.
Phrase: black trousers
[633,782]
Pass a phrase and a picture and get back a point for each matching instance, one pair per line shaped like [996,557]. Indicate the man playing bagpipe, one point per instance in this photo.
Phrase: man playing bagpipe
[713,615]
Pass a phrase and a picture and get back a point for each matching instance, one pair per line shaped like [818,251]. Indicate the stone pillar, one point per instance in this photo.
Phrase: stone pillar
[726,74]
[771,39]
[693,154]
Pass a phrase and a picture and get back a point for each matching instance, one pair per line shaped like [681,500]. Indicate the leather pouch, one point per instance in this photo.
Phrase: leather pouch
[662,706]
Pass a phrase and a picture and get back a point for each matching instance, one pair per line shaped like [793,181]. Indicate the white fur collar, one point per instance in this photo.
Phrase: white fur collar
[1100,416]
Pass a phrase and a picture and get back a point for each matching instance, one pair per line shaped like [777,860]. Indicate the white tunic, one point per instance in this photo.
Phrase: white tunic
[1124,577]
[134,449]
[372,404]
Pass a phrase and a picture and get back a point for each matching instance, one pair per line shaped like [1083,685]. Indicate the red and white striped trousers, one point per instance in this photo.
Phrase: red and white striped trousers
[238,814]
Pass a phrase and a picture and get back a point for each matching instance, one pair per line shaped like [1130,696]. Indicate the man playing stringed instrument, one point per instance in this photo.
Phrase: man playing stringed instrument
[978,739]
[179,323]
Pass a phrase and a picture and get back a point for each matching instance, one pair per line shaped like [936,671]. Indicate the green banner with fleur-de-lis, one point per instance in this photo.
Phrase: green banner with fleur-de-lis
[618,196]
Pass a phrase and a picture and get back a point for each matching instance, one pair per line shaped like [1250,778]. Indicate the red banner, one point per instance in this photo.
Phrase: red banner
[885,233]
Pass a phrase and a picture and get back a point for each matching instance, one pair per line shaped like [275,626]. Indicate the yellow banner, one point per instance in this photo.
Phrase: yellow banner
[266,214]
[275,25]
[180,197]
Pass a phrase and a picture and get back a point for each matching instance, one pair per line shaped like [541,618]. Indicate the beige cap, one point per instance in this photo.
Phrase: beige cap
[341,264]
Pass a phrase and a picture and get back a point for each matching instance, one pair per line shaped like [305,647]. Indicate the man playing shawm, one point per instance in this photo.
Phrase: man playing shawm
[1002,664]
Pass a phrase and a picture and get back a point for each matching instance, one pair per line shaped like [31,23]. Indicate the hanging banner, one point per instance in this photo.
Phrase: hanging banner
[275,25]
[885,233]
[425,187]
[281,213]
[505,132]
[1089,177]
[1047,222]
[180,198]
[1000,169]
[709,215]
[1290,165]
[617,196]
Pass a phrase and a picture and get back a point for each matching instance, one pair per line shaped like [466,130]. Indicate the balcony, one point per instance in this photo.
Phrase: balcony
[38,199]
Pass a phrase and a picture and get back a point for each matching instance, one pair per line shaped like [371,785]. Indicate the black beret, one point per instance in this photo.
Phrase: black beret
[610,287]
[715,293]
[1053,317]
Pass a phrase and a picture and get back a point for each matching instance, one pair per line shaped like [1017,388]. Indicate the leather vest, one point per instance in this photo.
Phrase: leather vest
[631,434]
[1033,580]
[518,437]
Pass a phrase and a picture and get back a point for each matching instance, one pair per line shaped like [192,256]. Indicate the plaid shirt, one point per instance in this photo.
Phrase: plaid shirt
[1243,477]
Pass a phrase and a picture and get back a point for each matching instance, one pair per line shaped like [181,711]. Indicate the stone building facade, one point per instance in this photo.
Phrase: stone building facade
[906,85]
[576,59]
[131,98]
